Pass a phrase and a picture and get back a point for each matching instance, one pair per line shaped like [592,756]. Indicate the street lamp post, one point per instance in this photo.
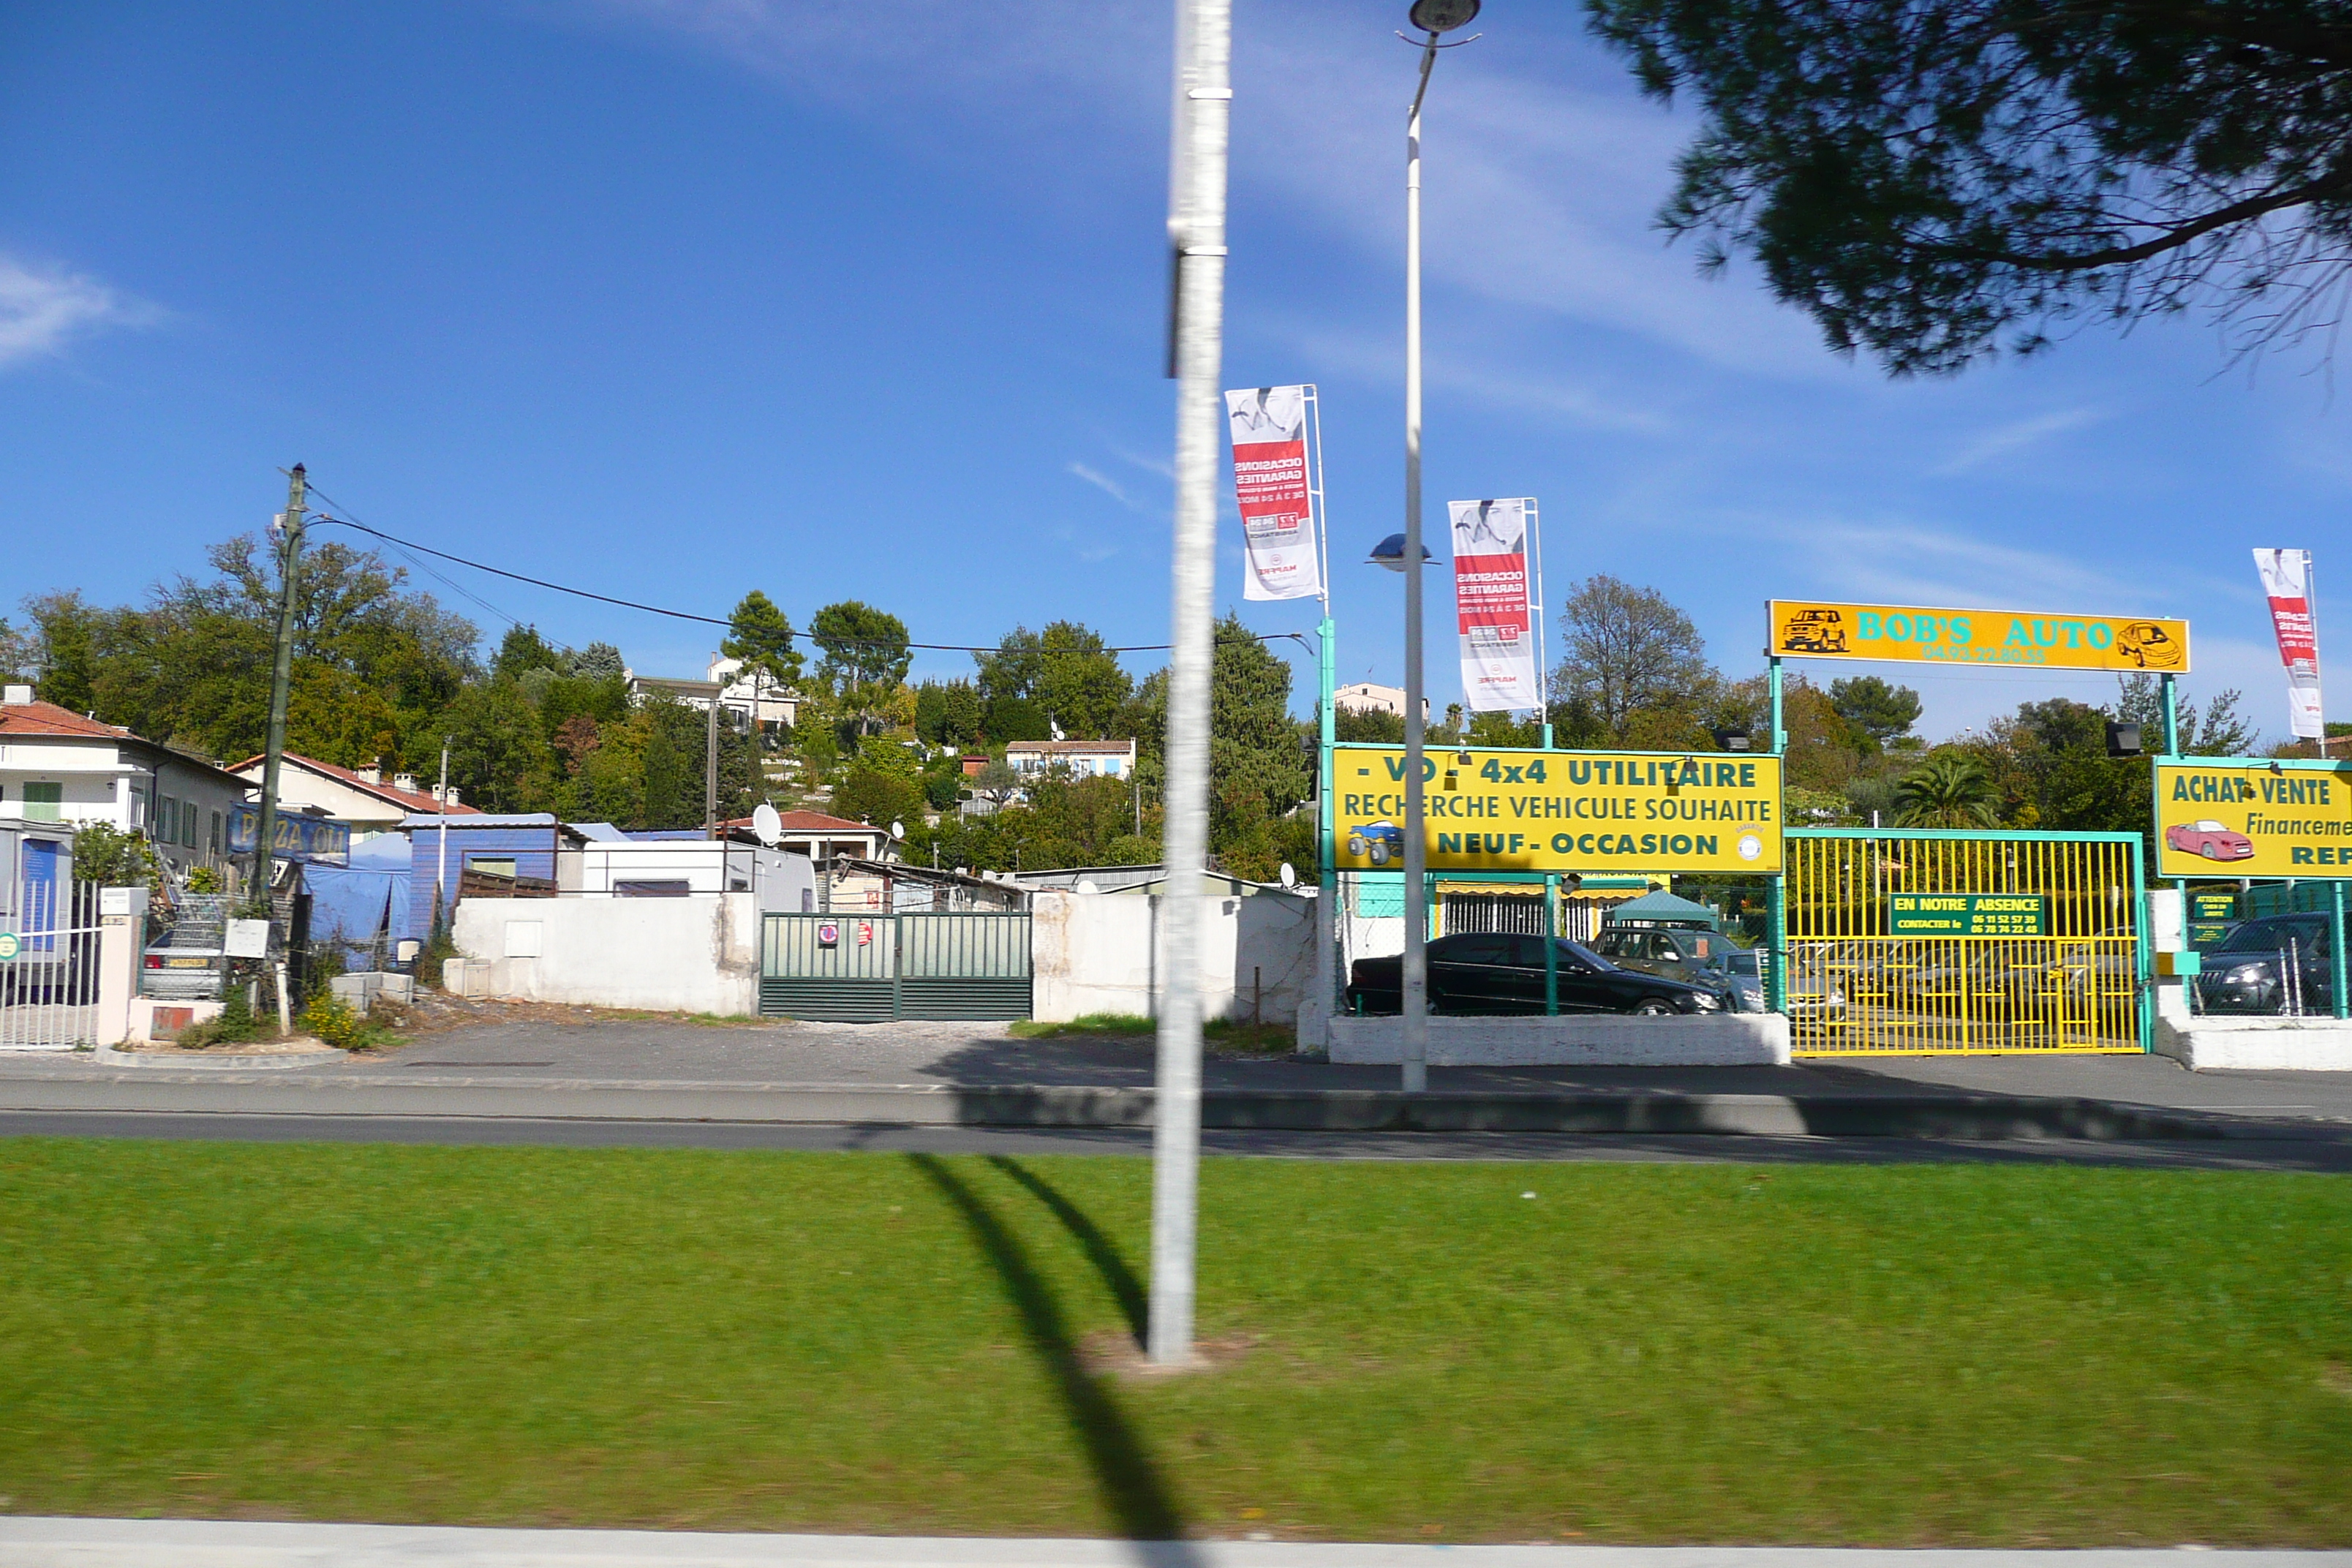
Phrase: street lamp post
[1431,17]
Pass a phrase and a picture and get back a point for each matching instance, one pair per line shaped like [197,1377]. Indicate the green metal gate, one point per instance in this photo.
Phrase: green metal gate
[1913,941]
[871,968]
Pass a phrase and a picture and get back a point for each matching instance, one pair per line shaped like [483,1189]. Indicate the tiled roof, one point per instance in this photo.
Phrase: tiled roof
[414,801]
[48,719]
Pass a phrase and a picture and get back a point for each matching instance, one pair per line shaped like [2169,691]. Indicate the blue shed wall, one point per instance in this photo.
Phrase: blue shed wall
[531,848]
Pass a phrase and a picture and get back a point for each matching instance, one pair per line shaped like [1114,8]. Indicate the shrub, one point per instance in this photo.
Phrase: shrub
[234,1026]
[331,1018]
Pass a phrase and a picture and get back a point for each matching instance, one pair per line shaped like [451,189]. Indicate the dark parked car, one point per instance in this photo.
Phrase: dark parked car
[2242,972]
[1494,972]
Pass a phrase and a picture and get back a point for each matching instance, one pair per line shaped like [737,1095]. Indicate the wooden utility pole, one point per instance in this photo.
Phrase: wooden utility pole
[290,571]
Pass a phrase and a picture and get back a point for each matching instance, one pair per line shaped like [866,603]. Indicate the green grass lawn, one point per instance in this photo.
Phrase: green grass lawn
[1899,1355]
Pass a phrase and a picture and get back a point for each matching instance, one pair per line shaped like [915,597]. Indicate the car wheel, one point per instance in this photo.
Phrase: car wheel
[1653,1006]
[1379,854]
[1356,845]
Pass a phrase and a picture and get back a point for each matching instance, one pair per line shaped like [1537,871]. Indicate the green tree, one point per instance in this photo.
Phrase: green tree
[524,649]
[759,636]
[1374,725]
[599,662]
[112,857]
[68,633]
[865,794]
[1879,713]
[1948,789]
[1634,661]
[1067,672]
[862,646]
[498,753]
[948,712]
[1925,178]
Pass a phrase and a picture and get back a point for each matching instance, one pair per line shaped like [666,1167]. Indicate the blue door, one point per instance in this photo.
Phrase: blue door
[38,909]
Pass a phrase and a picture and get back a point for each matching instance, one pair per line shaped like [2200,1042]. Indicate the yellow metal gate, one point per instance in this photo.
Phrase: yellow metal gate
[1913,941]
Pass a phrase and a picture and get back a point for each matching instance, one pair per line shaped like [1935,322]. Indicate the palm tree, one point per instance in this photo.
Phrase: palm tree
[1950,789]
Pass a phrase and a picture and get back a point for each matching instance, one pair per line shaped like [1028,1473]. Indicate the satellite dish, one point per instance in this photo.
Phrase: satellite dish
[766,825]
[1289,875]
[1088,885]
[897,830]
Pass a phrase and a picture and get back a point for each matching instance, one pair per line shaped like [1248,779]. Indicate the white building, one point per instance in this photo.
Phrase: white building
[359,798]
[1364,697]
[613,864]
[57,766]
[1083,759]
[758,697]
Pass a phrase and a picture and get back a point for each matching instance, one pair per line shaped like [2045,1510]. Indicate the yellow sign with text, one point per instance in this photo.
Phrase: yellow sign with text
[2234,817]
[1808,628]
[1598,812]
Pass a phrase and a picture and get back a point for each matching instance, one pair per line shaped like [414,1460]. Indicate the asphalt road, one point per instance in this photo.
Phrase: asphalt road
[2333,1157]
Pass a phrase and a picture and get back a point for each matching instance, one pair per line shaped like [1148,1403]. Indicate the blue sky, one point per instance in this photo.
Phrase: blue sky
[676,298]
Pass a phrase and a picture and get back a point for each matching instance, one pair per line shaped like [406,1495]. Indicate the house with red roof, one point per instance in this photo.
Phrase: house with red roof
[361,799]
[59,766]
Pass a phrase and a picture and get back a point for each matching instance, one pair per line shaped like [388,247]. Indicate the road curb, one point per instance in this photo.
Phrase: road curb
[1964,1117]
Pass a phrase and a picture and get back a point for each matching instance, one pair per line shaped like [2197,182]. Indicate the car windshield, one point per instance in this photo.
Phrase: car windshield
[2267,936]
[1741,962]
[1577,952]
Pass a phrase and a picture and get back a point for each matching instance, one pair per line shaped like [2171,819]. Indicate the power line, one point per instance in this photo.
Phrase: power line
[407,544]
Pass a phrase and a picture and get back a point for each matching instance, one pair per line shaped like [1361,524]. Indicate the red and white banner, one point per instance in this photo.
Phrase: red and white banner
[1490,595]
[2286,582]
[1273,485]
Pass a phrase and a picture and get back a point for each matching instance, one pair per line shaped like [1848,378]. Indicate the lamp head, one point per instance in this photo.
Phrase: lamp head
[1390,552]
[1443,16]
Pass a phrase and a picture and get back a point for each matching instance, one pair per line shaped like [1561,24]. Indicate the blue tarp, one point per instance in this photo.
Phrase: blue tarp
[365,900]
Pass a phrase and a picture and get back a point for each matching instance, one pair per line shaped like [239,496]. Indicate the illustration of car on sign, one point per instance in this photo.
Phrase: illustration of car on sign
[2149,644]
[1379,842]
[2209,839]
[1813,631]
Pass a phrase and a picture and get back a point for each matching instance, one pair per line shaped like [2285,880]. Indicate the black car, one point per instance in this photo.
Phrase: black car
[2242,972]
[1494,972]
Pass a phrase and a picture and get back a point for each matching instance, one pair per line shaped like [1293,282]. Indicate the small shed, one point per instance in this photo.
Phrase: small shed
[1663,909]
[514,854]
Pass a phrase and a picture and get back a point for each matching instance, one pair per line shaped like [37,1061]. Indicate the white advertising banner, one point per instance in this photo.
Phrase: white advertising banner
[1272,485]
[2286,582]
[1490,596]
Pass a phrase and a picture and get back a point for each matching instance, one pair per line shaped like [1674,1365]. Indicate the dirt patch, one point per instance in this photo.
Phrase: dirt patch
[292,1046]
[1114,1354]
[435,1012]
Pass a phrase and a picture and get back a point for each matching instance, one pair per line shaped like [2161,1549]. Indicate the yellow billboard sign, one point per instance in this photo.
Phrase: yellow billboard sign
[1812,628]
[2236,817]
[1602,812]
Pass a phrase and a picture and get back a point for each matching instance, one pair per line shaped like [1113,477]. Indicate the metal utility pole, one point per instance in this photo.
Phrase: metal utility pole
[282,677]
[441,862]
[1433,17]
[1196,232]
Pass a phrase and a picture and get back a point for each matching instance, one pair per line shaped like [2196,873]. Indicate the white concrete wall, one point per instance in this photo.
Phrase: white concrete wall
[685,955]
[2255,1044]
[1738,1039]
[1096,952]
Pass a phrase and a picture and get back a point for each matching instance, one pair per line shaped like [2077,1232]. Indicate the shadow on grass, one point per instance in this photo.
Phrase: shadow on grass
[1130,1482]
[1100,1250]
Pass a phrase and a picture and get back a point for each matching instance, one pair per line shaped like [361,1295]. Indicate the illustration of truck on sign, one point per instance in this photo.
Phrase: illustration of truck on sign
[1379,842]
[1813,631]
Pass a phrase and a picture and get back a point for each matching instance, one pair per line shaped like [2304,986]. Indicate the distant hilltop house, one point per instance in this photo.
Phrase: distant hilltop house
[1083,759]
[360,798]
[760,696]
[1364,697]
[59,766]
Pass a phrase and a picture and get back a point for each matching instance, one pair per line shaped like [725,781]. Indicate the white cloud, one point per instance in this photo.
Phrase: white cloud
[2006,438]
[1102,482]
[1539,194]
[41,308]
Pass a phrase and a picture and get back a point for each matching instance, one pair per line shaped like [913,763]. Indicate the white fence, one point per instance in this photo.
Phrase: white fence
[48,965]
